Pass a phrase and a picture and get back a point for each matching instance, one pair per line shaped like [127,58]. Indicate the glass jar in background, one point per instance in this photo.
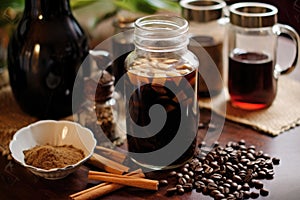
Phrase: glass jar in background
[100,111]
[207,27]
[161,93]
[253,70]
[122,43]
[44,57]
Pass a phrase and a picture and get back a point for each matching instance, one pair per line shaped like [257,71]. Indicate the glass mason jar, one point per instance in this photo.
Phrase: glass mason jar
[161,93]
[207,28]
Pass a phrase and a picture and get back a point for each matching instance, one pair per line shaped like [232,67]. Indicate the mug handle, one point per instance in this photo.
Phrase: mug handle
[279,29]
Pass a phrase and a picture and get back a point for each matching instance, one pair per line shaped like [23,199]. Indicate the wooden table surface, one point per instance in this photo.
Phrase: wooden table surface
[18,183]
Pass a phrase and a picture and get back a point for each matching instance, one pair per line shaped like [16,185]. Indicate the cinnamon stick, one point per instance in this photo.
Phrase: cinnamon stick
[112,154]
[103,188]
[108,165]
[125,180]
[96,173]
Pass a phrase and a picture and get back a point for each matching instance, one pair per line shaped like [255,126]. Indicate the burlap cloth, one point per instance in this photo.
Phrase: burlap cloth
[283,114]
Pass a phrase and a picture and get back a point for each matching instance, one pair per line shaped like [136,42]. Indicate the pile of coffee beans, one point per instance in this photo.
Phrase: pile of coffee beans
[231,172]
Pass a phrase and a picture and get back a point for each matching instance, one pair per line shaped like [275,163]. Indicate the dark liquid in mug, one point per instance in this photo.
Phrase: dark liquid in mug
[251,81]
[140,102]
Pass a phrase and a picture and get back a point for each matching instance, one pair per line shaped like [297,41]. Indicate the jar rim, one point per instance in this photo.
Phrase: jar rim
[202,10]
[253,14]
[157,23]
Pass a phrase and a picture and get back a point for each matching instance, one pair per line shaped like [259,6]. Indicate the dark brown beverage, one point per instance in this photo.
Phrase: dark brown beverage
[212,85]
[156,89]
[251,80]
[44,57]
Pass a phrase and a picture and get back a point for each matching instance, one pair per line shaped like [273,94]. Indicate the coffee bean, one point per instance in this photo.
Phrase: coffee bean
[226,190]
[178,186]
[172,174]
[266,156]
[214,164]
[246,187]
[238,195]
[270,175]
[186,165]
[219,196]
[171,191]
[242,142]
[187,177]
[212,186]
[252,147]
[205,190]
[179,175]
[198,170]
[243,147]
[245,160]
[259,153]
[237,178]
[182,181]
[234,186]
[180,191]
[250,156]
[199,184]
[163,183]
[216,144]
[209,180]
[258,184]
[276,161]
[226,172]
[184,170]
[208,170]
[247,194]
[252,183]
[191,173]
[264,192]
[188,187]
[213,193]
[261,174]
[254,195]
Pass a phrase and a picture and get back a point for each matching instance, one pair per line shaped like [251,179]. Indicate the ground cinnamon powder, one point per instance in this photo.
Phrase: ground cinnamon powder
[49,156]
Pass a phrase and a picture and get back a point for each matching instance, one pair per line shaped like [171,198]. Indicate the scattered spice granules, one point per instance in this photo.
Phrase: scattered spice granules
[49,156]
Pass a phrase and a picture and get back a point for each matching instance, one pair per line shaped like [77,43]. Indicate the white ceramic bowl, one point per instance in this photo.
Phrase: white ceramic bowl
[54,133]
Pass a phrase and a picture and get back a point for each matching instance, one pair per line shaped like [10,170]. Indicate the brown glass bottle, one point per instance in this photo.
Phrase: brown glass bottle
[44,56]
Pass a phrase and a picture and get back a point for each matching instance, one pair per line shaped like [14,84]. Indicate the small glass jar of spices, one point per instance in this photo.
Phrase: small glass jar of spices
[101,109]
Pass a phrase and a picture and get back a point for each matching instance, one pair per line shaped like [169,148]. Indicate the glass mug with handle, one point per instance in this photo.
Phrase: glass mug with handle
[252,45]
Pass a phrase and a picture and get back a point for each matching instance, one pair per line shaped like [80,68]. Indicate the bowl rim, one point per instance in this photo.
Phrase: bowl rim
[68,167]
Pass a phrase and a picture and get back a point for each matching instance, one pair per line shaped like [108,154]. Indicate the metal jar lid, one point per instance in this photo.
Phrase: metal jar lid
[202,10]
[253,15]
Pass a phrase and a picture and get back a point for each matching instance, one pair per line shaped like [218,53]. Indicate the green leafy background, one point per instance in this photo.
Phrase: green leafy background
[10,10]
